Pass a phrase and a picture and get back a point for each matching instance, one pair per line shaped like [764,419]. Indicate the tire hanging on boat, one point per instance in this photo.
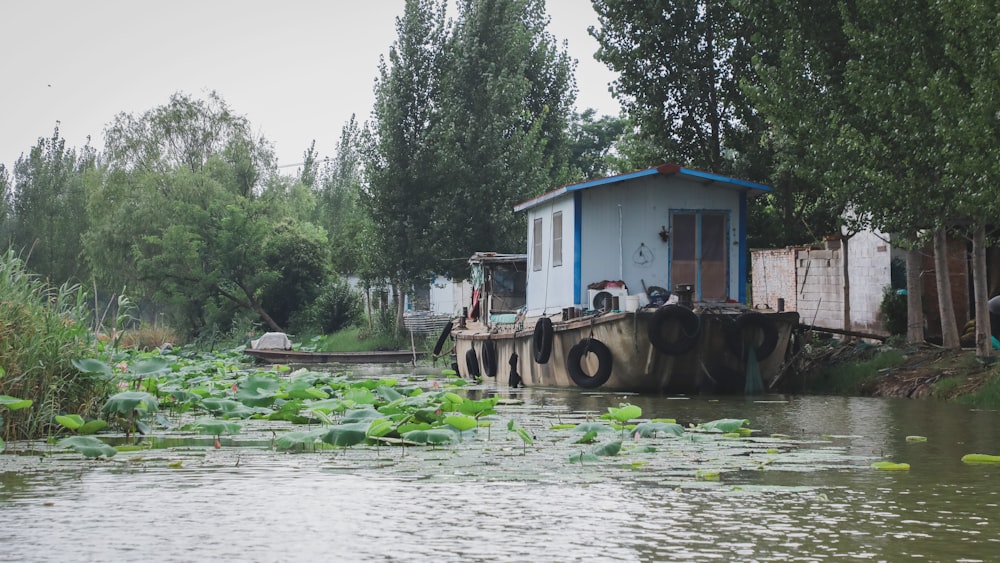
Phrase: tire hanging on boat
[541,340]
[753,329]
[472,363]
[688,327]
[578,354]
[490,358]
[445,333]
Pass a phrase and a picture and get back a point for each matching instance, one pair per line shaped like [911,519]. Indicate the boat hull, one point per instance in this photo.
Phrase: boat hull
[713,362]
[272,356]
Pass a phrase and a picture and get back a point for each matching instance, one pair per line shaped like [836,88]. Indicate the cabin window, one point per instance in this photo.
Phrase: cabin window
[536,245]
[557,237]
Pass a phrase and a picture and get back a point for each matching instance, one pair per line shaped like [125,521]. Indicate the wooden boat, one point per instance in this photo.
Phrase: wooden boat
[299,357]
[569,311]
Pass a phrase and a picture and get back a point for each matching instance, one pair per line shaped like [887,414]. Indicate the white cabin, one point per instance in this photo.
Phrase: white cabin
[662,227]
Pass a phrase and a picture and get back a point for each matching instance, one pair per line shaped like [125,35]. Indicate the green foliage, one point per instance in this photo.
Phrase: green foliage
[853,377]
[42,329]
[893,311]
[89,446]
[337,306]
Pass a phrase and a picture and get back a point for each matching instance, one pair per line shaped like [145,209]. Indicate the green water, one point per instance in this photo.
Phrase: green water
[809,495]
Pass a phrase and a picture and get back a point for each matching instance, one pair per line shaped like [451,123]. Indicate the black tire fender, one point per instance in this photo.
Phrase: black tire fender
[472,363]
[756,329]
[574,363]
[541,340]
[689,327]
[490,358]
[445,333]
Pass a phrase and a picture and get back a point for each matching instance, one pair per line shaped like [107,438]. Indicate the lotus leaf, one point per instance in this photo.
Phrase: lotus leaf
[592,427]
[388,394]
[149,367]
[461,423]
[328,405]
[361,415]
[13,403]
[623,413]
[89,446]
[725,424]
[608,449]
[126,402]
[379,428]
[215,427]
[430,414]
[562,426]
[478,408]
[914,439]
[582,457]
[90,365]
[258,390]
[431,436]
[360,396]
[650,429]
[412,426]
[291,439]
[587,438]
[70,421]
[346,435]
[228,408]
[304,390]
[890,466]
[980,458]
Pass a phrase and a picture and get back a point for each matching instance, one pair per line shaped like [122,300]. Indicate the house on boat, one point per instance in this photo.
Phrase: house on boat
[638,236]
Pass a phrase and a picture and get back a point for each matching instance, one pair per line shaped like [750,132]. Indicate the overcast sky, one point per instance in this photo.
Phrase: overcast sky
[297,69]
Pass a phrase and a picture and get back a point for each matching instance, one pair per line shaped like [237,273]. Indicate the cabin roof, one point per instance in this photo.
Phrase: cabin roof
[497,258]
[665,170]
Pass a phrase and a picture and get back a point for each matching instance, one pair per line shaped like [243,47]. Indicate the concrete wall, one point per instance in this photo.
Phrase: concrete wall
[774,277]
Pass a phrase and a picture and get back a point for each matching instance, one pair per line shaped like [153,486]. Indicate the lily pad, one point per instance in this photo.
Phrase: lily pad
[890,466]
[89,446]
[650,429]
[980,458]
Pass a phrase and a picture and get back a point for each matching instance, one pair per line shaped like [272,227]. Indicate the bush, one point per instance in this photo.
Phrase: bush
[42,330]
[337,307]
[893,311]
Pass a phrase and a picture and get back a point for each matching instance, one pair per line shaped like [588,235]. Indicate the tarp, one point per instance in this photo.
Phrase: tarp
[272,341]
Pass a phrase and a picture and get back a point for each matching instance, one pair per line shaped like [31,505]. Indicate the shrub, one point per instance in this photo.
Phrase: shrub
[893,311]
[337,307]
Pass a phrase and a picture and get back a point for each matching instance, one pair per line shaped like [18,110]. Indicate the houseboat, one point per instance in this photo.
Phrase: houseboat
[635,282]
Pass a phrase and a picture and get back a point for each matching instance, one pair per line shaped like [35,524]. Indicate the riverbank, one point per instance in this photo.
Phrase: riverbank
[898,370]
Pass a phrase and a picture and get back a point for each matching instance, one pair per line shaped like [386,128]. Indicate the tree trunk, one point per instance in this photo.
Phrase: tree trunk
[984,344]
[400,303]
[914,296]
[847,282]
[949,327]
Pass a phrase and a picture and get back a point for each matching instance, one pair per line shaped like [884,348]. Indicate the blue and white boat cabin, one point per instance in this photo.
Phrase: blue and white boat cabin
[656,230]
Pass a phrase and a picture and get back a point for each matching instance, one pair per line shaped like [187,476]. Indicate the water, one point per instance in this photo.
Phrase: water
[498,499]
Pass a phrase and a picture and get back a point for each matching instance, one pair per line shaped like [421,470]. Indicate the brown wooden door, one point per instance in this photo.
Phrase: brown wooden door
[699,253]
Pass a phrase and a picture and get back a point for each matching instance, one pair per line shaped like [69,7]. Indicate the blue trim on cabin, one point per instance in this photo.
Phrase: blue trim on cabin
[577,247]
[666,170]
[741,279]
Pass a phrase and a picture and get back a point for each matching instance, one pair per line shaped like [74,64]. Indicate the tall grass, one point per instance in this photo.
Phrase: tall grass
[42,329]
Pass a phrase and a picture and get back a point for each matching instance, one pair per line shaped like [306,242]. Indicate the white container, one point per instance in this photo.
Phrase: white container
[632,303]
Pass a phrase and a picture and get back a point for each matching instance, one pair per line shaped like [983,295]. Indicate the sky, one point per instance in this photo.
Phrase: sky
[297,69]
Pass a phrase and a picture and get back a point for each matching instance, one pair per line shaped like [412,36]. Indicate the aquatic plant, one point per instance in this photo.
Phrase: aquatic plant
[42,328]
[77,424]
[89,446]
[130,409]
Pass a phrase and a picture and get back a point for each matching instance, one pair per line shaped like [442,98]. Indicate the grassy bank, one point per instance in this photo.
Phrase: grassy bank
[924,372]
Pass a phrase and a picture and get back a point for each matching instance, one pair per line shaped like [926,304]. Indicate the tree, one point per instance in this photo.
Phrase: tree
[591,142]
[398,163]
[47,208]
[507,96]
[338,205]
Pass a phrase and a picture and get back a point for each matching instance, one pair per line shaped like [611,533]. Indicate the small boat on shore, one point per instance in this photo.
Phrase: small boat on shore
[301,357]
[569,312]
[276,348]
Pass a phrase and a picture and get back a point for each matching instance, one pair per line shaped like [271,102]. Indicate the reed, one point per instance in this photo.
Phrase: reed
[42,329]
